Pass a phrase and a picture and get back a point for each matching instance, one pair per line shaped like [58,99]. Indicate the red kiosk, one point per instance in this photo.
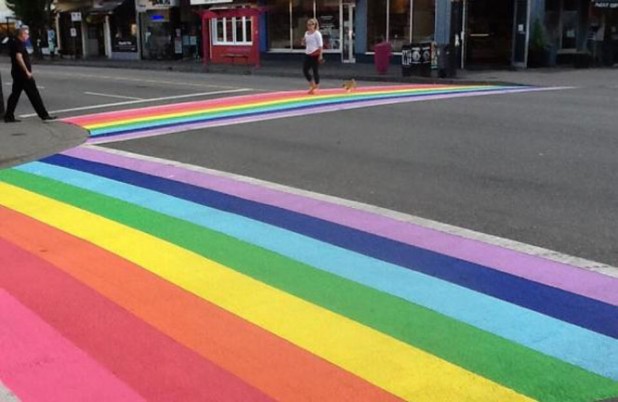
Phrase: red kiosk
[231,35]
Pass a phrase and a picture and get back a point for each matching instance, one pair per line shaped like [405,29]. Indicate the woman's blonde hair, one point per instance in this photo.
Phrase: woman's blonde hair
[315,22]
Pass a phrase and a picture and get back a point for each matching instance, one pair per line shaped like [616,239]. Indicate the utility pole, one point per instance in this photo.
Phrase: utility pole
[1,98]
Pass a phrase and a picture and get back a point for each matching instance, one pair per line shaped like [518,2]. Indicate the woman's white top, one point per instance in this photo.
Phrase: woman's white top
[313,41]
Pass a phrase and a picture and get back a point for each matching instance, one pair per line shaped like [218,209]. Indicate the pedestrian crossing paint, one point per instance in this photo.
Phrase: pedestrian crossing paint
[139,278]
[176,118]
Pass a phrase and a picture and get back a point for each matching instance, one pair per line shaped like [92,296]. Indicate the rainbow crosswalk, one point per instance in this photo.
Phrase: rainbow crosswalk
[135,278]
[176,118]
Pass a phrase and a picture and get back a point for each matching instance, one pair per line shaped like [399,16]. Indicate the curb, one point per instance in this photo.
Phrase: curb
[271,72]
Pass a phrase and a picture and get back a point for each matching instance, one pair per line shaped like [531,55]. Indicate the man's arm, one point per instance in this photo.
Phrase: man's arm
[20,60]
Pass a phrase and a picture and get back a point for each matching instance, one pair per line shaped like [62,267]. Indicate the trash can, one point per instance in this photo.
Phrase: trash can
[382,57]
[406,60]
[416,59]
[447,62]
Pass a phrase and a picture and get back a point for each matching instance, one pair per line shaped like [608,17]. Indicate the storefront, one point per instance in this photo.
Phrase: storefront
[350,28]
[160,29]
[487,33]
[124,31]
[603,32]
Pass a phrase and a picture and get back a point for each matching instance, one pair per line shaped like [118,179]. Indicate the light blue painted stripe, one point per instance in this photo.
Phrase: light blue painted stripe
[587,349]
[287,105]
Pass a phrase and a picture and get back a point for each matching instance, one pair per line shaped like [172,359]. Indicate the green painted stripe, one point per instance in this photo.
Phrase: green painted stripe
[276,106]
[512,365]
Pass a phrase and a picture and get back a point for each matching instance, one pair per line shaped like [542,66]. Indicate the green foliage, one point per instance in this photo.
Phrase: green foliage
[538,39]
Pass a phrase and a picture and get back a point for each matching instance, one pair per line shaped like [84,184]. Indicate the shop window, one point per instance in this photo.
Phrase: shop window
[376,28]
[328,17]
[301,12]
[399,23]
[279,25]
[123,28]
[424,20]
[157,35]
[232,31]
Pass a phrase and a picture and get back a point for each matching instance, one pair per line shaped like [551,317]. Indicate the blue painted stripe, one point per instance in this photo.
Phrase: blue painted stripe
[256,111]
[576,309]
[595,352]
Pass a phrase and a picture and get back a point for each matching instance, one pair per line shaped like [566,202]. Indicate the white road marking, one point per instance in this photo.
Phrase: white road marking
[133,102]
[6,395]
[113,96]
[10,84]
[513,245]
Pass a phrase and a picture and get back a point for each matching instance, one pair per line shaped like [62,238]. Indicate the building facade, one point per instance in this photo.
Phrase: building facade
[482,32]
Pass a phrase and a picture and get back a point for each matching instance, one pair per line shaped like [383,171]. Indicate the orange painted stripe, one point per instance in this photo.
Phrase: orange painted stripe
[263,360]
[109,117]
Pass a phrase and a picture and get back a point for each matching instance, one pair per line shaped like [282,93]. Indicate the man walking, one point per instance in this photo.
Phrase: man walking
[21,71]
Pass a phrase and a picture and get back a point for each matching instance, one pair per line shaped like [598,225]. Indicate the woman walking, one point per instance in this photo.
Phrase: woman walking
[313,54]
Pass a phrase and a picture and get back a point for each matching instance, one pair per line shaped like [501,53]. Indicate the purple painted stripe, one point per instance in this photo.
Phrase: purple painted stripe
[551,273]
[292,113]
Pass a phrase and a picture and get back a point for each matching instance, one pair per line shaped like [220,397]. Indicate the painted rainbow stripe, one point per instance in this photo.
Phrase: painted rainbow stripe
[136,278]
[169,119]
[275,295]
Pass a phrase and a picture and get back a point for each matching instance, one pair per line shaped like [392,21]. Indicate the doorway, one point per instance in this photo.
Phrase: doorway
[348,13]
[489,33]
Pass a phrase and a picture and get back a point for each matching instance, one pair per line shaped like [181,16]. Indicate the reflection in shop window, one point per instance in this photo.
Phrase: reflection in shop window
[376,26]
[424,20]
[279,24]
[328,17]
[301,12]
[219,33]
[399,23]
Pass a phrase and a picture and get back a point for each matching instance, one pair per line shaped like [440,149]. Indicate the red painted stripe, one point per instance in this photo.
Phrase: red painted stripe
[268,362]
[38,364]
[109,117]
[153,364]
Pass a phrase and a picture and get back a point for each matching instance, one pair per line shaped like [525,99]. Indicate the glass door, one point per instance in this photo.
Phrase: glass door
[347,40]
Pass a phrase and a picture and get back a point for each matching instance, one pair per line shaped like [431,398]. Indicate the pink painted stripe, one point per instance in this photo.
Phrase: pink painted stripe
[551,273]
[288,113]
[38,364]
[226,101]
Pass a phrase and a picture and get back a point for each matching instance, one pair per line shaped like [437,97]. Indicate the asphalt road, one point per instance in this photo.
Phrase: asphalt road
[538,167]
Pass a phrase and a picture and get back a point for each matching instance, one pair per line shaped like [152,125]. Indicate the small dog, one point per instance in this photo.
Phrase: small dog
[349,85]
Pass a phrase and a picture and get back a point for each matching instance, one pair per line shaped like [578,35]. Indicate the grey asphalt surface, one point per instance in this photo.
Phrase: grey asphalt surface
[32,139]
[539,167]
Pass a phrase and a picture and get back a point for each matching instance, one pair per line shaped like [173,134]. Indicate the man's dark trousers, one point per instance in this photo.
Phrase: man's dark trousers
[29,86]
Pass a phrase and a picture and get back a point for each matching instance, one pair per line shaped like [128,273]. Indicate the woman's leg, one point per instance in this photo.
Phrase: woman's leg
[316,70]
[306,68]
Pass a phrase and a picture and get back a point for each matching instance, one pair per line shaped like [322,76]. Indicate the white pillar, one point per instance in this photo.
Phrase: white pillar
[58,36]
[84,28]
[107,38]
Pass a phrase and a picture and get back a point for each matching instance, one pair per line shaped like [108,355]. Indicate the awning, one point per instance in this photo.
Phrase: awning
[104,7]
[67,6]
[606,3]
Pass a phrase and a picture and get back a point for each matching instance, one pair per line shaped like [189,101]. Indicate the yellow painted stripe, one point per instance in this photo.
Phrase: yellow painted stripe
[256,104]
[386,362]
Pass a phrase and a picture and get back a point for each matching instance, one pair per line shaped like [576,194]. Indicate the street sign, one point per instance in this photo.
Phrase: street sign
[76,16]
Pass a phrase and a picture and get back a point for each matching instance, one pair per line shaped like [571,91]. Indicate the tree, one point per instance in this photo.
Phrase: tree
[34,13]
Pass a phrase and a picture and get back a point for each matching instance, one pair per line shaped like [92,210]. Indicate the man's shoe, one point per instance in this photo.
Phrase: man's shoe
[48,117]
[11,120]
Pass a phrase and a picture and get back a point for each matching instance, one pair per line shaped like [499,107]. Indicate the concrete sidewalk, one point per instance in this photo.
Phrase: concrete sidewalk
[32,139]
[332,69]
